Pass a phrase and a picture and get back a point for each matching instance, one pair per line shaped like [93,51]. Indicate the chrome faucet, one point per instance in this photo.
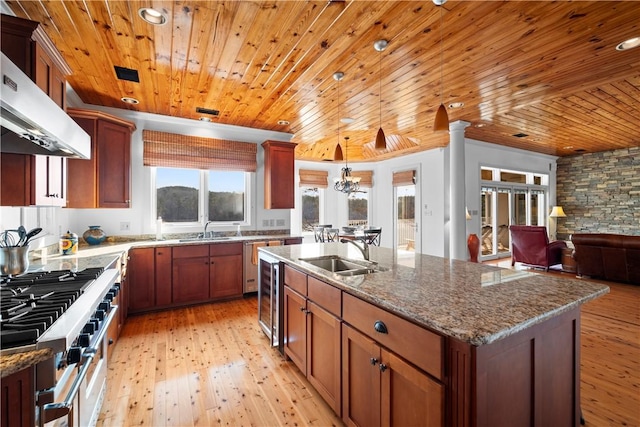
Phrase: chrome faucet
[364,249]
[204,235]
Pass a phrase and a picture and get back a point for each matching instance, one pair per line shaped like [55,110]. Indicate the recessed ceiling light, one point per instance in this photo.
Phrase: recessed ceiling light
[204,119]
[629,44]
[347,120]
[152,16]
[129,100]
[283,122]
[456,105]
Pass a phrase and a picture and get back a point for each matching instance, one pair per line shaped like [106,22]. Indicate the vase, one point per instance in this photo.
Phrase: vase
[94,235]
[473,243]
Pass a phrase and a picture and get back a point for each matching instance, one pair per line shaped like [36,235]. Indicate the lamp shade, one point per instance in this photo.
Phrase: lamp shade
[441,123]
[557,212]
[381,140]
[337,155]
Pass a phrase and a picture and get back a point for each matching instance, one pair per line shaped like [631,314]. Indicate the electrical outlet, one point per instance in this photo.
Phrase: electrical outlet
[125,226]
[280,222]
[265,222]
[270,223]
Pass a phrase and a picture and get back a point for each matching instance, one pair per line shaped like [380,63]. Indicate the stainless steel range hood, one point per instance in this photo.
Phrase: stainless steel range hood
[32,123]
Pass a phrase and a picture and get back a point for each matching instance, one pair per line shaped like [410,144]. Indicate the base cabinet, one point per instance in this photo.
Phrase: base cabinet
[141,279]
[18,399]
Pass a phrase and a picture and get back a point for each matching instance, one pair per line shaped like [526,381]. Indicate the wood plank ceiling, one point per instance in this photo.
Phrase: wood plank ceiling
[546,69]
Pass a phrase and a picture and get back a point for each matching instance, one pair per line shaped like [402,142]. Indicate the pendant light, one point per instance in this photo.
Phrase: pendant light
[337,155]
[441,123]
[381,140]
[346,183]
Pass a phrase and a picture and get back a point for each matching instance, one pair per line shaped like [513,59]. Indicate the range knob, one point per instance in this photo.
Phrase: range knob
[74,354]
[108,297]
[89,328]
[84,340]
[115,289]
[104,306]
[100,315]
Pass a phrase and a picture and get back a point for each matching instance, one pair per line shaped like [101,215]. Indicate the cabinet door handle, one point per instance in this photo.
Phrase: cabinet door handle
[301,308]
[383,367]
[379,326]
[374,361]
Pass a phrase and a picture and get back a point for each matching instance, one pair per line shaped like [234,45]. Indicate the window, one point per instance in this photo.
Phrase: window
[310,208]
[358,205]
[185,196]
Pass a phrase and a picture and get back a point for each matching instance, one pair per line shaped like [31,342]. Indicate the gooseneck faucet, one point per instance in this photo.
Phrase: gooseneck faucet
[364,249]
[204,235]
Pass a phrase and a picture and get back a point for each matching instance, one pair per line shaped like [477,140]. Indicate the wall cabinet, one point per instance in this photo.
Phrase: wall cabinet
[312,332]
[279,174]
[104,181]
[25,179]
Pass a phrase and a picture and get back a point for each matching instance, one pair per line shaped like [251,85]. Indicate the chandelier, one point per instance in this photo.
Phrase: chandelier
[346,183]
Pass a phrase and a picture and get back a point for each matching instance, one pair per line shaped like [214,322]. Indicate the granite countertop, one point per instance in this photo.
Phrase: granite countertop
[475,303]
[18,361]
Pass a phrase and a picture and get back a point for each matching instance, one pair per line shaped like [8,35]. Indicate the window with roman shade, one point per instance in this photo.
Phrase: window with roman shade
[313,178]
[162,149]
[366,178]
[404,178]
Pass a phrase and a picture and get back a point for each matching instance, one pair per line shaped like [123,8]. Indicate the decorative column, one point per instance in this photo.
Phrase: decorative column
[457,195]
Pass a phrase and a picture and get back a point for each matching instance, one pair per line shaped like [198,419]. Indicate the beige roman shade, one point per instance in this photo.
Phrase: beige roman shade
[193,152]
[366,178]
[313,178]
[404,178]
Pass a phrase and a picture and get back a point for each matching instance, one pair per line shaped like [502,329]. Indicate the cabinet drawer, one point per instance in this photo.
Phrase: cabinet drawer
[325,295]
[191,251]
[415,344]
[295,280]
[225,249]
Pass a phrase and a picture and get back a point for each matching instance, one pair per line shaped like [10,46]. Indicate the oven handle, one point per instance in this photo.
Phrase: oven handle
[53,411]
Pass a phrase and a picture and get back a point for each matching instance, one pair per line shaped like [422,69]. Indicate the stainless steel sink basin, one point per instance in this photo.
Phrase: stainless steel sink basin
[202,239]
[343,266]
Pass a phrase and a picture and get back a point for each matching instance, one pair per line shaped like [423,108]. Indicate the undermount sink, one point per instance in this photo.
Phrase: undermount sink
[202,239]
[343,266]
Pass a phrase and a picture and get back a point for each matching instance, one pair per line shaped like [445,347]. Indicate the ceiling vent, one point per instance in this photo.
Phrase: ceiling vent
[520,135]
[207,111]
[127,74]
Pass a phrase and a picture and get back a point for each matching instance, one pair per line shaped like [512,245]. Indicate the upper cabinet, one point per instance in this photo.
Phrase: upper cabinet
[104,181]
[279,174]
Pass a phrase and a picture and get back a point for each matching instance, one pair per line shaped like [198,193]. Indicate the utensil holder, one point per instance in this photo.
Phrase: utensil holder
[14,260]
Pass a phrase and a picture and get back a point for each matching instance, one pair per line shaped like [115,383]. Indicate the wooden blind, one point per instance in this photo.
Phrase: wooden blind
[366,178]
[193,152]
[313,178]
[403,178]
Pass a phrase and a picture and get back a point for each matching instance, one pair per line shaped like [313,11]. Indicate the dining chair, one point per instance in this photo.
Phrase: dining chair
[372,236]
[331,234]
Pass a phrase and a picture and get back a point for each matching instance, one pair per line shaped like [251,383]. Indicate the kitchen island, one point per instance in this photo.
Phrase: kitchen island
[455,343]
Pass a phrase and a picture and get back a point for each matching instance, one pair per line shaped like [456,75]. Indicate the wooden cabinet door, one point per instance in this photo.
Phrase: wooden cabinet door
[141,279]
[15,179]
[409,397]
[323,354]
[163,276]
[114,165]
[360,379]
[279,175]
[190,280]
[18,399]
[295,328]
[225,276]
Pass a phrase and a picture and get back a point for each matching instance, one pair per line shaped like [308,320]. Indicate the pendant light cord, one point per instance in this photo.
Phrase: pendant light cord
[441,60]
[380,86]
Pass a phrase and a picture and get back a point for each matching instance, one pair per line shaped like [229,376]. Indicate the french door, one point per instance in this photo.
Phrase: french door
[406,225]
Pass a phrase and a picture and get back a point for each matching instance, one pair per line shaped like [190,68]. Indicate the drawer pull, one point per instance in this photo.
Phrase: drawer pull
[374,361]
[383,367]
[379,326]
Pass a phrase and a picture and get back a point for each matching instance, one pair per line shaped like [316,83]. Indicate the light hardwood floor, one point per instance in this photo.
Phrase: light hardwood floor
[211,365]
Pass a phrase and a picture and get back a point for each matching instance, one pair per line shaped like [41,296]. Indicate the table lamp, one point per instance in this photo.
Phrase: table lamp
[556,212]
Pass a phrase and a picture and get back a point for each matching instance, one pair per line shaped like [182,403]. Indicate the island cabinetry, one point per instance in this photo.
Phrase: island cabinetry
[190,274]
[225,270]
[312,332]
[279,174]
[141,278]
[104,181]
[388,378]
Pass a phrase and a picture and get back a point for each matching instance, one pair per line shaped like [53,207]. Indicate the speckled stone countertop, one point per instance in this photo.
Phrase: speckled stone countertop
[18,361]
[475,303]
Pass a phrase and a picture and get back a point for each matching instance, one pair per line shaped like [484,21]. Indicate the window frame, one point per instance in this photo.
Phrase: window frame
[203,207]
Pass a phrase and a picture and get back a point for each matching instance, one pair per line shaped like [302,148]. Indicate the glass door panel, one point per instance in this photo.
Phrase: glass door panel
[405,223]
[502,236]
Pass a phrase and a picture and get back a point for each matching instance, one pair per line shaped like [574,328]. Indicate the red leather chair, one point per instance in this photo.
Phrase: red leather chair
[530,245]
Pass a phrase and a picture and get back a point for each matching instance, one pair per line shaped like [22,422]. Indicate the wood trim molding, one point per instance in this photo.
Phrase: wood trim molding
[95,115]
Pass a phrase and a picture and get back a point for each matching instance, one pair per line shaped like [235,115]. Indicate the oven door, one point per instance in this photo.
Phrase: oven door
[80,390]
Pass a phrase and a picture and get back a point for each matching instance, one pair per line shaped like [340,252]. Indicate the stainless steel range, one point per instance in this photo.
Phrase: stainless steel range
[68,312]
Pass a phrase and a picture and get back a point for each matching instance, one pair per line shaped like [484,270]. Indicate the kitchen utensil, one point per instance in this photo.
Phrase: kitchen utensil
[22,234]
[31,234]
[7,240]
[14,260]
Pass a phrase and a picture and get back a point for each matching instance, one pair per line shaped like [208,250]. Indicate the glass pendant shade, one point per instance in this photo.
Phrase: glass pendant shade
[381,140]
[441,124]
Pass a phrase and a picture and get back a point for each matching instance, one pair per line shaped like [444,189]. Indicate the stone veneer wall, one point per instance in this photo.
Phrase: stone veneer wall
[599,192]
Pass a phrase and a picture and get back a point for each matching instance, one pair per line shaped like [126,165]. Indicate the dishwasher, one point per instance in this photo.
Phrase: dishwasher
[250,259]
